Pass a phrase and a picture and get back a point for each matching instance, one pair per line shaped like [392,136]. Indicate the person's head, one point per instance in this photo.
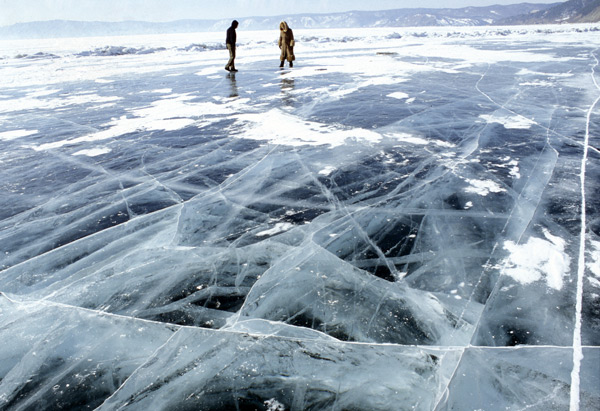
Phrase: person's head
[234,24]
[283,26]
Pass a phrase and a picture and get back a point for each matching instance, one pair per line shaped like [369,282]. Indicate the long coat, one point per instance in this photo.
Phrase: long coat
[286,42]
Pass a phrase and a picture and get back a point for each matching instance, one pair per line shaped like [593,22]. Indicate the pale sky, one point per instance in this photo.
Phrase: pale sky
[18,11]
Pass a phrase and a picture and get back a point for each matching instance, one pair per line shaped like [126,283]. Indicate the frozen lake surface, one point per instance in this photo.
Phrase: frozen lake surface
[407,219]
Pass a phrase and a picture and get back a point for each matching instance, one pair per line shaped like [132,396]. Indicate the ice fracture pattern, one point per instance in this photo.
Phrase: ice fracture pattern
[404,220]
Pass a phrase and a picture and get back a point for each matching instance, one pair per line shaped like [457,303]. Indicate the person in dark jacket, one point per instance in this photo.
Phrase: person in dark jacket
[286,44]
[230,42]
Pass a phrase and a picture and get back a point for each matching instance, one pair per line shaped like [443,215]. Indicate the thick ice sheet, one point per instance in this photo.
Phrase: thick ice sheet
[395,222]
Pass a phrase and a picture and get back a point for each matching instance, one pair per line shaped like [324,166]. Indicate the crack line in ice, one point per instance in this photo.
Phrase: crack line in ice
[142,365]
[359,228]
[577,350]
[443,392]
[176,197]
[339,205]
[177,327]
[555,393]
[68,159]
[414,183]
[495,246]
[238,176]
[525,118]
[326,192]
[101,169]
[390,264]
[518,240]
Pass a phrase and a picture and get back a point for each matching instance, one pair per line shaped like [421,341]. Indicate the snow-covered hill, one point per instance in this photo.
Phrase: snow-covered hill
[572,11]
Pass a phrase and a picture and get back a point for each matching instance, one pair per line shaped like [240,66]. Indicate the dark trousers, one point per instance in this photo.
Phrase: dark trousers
[230,64]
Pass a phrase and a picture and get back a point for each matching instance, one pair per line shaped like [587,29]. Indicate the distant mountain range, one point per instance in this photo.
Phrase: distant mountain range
[523,13]
[572,11]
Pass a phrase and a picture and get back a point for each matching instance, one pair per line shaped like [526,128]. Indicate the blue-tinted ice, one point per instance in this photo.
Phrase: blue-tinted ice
[398,222]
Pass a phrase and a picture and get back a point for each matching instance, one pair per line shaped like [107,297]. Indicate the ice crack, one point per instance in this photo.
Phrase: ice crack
[577,347]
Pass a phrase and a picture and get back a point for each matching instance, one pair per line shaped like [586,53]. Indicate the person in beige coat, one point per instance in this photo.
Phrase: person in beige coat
[286,44]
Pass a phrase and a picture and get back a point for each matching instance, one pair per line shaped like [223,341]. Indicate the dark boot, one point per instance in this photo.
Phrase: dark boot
[291,64]
[281,65]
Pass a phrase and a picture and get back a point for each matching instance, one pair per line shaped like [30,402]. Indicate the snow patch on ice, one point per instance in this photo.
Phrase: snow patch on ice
[538,259]
[169,114]
[594,264]
[514,171]
[207,71]
[512,165]
[327,171]
[524,72]
[409,138]
[472,55]
[179,106]
[161,91]
[279,228]
[483,187]
[509,122]
[399,95]
[279,127]
[274,405]
[32,101]
[538,83]
[42,93]
[93,152]
[14,134]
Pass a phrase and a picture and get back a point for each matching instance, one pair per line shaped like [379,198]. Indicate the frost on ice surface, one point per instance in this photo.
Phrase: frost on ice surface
[393,224]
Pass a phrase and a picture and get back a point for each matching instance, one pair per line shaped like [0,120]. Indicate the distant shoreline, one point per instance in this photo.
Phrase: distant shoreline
[400,18]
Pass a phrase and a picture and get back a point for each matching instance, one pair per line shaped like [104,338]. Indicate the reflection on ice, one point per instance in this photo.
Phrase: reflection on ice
[390,224]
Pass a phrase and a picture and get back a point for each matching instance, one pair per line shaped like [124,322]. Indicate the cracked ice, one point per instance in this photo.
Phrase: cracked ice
[399,221]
